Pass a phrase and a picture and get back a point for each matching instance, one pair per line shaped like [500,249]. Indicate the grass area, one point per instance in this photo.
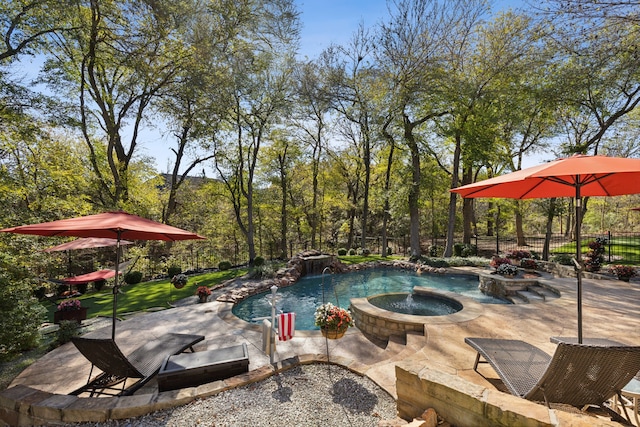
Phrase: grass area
[138,297]
[145,295]
[356,259]
[623,250]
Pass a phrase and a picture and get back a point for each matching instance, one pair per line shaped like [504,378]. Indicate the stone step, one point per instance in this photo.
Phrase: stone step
[544,292]
[516,299]
[530,297]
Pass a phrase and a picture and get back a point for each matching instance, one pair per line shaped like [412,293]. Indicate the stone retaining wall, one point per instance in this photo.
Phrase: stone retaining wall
[464,404]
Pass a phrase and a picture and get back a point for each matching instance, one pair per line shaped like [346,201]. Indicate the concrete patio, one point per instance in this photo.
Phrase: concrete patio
[611,309]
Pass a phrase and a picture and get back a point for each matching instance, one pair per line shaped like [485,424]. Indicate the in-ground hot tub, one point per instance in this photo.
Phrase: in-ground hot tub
[416,304]
[381,323]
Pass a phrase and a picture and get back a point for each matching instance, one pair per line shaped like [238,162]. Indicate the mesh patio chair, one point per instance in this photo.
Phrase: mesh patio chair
[576,374]
[142,364]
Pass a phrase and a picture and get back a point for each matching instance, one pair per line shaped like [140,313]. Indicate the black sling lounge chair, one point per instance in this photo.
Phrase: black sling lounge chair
[577,374]
[143,363]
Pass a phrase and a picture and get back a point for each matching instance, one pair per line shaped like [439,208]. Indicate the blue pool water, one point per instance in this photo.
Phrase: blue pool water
[307,294]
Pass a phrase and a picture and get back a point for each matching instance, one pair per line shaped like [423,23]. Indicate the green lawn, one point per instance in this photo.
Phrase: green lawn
[623,250]
[357,259]
[144,295]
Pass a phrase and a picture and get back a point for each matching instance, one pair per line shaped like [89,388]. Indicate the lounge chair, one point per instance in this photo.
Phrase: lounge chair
[143,363]
[577,374]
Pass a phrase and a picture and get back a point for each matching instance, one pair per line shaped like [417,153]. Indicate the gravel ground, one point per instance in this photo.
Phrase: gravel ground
[308,395]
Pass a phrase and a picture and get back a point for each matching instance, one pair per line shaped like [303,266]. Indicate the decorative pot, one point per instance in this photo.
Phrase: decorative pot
[624,278]
[333,334]
[77,315]
[203,298]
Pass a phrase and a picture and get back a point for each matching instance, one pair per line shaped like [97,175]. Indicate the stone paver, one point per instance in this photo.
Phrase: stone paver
[610,310]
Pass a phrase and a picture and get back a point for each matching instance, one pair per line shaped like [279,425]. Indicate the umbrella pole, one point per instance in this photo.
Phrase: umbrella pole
[579,260]
[115,290]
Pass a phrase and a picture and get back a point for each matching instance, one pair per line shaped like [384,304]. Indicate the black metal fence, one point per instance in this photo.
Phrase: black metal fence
[621,248]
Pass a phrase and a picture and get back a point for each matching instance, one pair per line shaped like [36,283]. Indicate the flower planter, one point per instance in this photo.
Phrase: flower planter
[333,334]
[77,315]
[203,298]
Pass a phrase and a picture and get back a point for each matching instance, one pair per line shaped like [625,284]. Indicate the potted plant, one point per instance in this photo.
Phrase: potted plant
[528,264]
[179,281]
[595,255]
[507,270]
[70,309]
[203,293]
[497,261]
[333,320]
[623,272]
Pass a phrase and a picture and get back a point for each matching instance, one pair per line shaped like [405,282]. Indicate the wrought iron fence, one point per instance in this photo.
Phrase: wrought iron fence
[621,247]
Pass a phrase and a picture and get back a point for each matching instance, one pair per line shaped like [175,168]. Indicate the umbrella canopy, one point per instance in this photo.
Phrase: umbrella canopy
[91,277]
[87,243]
[114,225]
[577,176]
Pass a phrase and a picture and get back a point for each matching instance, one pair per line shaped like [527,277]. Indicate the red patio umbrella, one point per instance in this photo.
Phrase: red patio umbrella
[114,225]
[91,277]
[577,176]
[87,243]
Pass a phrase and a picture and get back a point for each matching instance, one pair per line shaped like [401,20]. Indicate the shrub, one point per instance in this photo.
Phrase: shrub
[389,251]
[258,261]
[99,284]
[457,249]
[174,270]
[529,263]
[364,252]
[623,272]
[436,251]
[82,287]
[133,277]
[40,292]
[61,289]
[595,256]
[469,250]
[352,251]
[498,261]
[518,254]
[68,329]
[21,317]
[342,251]
[562,259]
[224,265]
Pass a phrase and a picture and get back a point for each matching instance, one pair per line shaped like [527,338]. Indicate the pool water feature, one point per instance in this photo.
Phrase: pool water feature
[416,304]
[307,294]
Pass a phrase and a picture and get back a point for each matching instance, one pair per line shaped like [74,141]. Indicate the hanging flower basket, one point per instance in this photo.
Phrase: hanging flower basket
[333,334]
[333,321]
[179,281]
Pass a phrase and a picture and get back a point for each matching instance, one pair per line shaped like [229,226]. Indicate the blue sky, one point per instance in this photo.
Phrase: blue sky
[334,21]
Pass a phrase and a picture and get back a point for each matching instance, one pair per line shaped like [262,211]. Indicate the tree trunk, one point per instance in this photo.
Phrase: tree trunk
[414,191]
[451,224]
[467,209]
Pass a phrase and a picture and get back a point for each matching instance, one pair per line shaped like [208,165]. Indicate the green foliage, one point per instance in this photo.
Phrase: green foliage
[224,265]
[99,284]
[133,277]
[562,259]
[82,287]
[174,270]
[342,251]
[436,251]
[464,250]
[352,251]
[258,261]
[67,330]
[435,262]
[21,315]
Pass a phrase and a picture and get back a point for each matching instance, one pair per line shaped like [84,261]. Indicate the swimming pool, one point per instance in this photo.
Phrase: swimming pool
[307,294]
